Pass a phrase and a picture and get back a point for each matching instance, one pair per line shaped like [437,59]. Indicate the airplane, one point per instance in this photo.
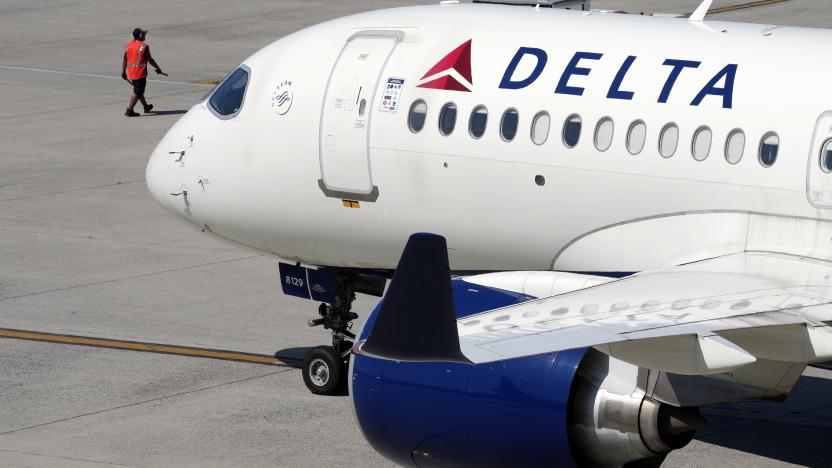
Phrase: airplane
[595,223]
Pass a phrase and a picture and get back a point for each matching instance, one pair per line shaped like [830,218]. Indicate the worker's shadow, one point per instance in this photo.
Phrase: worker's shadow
[166,112]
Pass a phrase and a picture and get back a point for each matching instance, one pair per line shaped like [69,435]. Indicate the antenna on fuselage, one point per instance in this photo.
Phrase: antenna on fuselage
[701,11]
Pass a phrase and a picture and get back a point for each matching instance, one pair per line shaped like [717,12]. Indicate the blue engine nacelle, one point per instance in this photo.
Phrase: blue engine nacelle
[519,412]
[445,414]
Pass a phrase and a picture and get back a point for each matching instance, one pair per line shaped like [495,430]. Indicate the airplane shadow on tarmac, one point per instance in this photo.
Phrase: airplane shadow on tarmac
[796,431]
[293,357]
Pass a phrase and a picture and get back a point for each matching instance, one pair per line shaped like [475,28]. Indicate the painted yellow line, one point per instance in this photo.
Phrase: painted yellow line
[742,6]
[208,82]
[145,347]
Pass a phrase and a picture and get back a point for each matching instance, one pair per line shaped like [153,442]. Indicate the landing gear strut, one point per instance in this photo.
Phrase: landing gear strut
[325,367]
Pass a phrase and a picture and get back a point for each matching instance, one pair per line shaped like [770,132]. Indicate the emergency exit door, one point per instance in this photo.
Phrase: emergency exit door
[819,183]
[346,115]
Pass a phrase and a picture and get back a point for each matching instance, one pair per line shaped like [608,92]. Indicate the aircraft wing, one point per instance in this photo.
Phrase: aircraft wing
[700,318]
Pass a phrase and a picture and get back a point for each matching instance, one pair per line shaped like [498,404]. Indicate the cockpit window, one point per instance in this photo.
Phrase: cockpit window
[228,98]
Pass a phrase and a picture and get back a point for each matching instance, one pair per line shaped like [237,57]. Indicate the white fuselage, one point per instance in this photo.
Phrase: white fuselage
[326,183]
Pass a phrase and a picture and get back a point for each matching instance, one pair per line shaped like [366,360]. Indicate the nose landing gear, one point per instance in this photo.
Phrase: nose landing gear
[325,367]
[325,371]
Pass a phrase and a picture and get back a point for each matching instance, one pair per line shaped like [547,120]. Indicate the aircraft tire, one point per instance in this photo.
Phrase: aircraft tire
[324,371]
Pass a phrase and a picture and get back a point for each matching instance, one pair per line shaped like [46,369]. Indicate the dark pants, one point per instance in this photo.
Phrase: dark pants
[138,86]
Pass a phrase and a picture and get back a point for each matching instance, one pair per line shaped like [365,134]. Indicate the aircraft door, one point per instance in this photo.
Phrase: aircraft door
[819,183]
[347,112]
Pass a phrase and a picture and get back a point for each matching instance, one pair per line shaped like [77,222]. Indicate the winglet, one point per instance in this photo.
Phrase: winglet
[701,11]
[417,319]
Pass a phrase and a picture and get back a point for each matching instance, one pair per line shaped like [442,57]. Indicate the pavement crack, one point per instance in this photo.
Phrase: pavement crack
[152,400]
[83,189]
[93,106]
[173,27]
[126,278]
[60,457]
[742,6]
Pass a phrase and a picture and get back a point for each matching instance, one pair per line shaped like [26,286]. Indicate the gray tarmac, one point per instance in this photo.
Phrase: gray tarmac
[85,251]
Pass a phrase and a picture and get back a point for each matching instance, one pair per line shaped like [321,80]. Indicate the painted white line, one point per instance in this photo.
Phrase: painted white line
[93,75]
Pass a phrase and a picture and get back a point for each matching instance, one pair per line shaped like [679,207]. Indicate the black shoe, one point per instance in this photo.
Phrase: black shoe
[148,108]
[131,113]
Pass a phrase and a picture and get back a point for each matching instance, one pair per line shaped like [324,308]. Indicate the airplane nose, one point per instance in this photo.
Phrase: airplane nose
[156,176]
[165,174]
[166,171]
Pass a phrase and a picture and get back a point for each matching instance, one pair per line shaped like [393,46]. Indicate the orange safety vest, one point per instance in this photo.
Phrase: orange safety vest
[136,60]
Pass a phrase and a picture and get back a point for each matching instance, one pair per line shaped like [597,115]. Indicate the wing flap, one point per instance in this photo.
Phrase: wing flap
[681,354]
[792,343]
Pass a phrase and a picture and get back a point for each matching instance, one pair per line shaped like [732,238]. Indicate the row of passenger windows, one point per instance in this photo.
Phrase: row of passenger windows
[604,129]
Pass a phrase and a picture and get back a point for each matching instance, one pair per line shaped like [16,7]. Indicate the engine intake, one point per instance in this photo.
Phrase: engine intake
[613,422]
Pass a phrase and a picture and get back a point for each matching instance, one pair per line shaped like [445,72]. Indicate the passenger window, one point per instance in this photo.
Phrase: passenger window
[572,130]
[227,100]
[540,128]
[447,119]
[478,121]
[669,140]
[416,116]
[604,131]
[508,124]
[826,156]
[362,108]
[636,136]
[735,146]
[701,147]
[769,146]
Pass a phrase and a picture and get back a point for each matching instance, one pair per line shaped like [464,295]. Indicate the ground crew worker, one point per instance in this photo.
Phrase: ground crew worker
[134,70]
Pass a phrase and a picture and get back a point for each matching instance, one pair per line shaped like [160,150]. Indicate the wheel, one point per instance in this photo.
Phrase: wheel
[324,371]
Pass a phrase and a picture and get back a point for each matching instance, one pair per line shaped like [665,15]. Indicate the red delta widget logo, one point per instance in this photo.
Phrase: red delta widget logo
[453,73]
